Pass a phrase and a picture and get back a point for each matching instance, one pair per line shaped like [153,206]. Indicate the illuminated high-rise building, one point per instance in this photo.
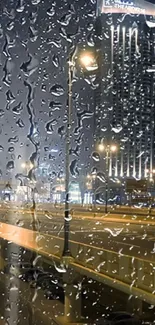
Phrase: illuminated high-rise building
[125,98]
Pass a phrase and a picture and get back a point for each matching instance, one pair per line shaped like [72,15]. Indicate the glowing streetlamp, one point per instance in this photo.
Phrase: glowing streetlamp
[88,61]
[101,147]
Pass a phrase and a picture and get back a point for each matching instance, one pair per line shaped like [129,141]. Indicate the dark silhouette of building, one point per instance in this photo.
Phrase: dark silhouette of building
[125,98]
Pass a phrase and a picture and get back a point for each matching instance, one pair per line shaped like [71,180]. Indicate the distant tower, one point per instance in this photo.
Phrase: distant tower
[125,98]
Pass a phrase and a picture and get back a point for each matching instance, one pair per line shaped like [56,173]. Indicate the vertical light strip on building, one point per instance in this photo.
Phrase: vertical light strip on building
[118,154]
[134,126]
[112,59]
[128,146]
[122,95]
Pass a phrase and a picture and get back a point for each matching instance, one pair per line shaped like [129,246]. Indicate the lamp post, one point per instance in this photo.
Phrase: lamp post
[108,149]
[66,250]
[87,61]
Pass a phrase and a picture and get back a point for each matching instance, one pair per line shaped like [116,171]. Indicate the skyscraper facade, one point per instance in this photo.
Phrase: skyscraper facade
[125,98]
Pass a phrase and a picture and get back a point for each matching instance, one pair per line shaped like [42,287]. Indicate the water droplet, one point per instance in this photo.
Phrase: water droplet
[60,269]
[33,34]
[9,13]
[51,11]
[55,60]
[23,21]
[49,127]
[141,154]
[20,6]
[11,149]
[1,112]
[91,13]
[39,238]
[101,177]
[33,17]
[55,41]
[10,165]
[43,88]
[65,19]
[55,106]
[49,28]
[100,265]
[13,139]
[150,24]
[36,260]
[1,148]
[10,25]
[84,115]
[90,26]
[117,128]
[10,97]
[96,156]
[30,66]
[1,31]
[69,218]
[13,288]
[18,108]
[9,43]
[114,232]
[90,40]
[61,130]
[8,67]
[35,296]
[35,2]
[20,223]
[20,123]
[57,90]
[74,168]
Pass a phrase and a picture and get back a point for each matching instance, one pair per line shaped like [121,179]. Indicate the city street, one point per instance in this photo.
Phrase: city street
[125,238]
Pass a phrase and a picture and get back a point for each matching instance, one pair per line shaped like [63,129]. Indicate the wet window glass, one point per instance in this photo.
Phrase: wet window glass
[77,166]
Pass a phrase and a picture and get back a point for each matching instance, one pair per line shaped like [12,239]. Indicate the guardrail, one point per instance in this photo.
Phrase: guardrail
[129,274]
[132,275]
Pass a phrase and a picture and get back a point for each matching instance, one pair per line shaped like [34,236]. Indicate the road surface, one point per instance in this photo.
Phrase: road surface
[131,239]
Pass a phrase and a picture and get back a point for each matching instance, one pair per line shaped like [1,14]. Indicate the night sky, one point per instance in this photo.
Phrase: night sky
[35,39]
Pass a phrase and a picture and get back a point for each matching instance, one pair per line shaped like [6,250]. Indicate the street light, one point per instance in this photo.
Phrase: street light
[86,61]
[107,148]
[101,147]
[113,148]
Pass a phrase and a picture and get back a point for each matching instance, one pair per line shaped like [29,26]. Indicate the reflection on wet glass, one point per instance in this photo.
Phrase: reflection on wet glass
[77,170]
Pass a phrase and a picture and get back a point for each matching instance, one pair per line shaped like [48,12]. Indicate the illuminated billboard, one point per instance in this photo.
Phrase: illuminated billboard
[136,7]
